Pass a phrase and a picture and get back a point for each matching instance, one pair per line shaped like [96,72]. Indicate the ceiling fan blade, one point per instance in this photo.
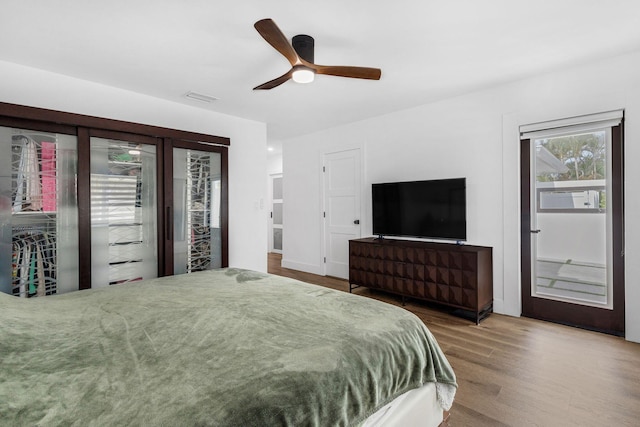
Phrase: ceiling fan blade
[345,71]
[275,82]
[272,34]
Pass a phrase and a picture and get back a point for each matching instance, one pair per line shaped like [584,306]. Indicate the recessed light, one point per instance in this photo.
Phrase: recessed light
[269,148]
[200,97]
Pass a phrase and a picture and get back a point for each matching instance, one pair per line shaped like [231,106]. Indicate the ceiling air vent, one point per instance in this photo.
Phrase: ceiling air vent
[200,97]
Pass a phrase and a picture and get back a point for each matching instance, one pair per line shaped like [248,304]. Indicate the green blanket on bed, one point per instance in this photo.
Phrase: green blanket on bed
[222,348]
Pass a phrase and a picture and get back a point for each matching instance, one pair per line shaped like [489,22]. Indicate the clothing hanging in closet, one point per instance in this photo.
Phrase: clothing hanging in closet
[28,184]
[33,237]
[33,263]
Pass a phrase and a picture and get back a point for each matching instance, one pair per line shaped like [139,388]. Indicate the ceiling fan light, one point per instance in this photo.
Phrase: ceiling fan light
[303,75]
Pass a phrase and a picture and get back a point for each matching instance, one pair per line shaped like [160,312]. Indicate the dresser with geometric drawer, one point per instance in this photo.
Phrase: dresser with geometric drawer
[458,276]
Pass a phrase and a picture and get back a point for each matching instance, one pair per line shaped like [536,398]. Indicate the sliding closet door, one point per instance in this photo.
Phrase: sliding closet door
[196,212]
[38,211]
[124,234]
[87,202]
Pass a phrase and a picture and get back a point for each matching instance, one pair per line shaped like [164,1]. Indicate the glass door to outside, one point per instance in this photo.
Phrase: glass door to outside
[571,237]
[572,249]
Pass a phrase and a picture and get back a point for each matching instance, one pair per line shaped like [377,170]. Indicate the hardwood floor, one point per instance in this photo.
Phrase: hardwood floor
[524,372]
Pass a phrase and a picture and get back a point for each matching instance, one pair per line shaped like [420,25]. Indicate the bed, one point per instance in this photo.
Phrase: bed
[226,347]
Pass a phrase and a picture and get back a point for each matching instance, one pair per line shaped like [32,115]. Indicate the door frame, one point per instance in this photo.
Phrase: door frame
[593,318]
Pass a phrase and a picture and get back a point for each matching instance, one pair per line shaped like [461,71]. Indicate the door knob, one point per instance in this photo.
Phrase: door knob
[535,231]
[357,221]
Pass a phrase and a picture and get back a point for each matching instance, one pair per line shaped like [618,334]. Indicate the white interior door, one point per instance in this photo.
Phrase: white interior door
[341,209]
[275,221]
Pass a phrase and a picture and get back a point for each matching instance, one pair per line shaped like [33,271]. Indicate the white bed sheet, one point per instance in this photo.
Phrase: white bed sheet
[418,407]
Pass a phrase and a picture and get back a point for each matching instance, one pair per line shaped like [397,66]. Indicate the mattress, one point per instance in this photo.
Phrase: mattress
[417,407]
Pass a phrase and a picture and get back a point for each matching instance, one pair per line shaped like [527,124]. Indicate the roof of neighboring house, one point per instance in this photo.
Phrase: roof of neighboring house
[546,162]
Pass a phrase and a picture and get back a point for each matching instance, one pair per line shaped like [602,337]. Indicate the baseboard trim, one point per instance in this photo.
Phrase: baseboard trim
[499,308]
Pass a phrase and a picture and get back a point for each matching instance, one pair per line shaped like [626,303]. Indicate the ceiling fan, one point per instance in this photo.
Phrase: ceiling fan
[300,54]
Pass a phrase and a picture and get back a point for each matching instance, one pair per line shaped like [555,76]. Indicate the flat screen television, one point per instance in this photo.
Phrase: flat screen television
[429,209]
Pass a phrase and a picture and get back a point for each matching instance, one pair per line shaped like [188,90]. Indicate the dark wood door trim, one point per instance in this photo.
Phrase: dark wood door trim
[36,125]
[92,122]
[124,136]
[160,202]
[167,209]
[224,206]
[594,318]
[84,207]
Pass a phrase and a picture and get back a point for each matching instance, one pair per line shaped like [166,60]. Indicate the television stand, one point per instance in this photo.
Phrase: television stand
[455,276]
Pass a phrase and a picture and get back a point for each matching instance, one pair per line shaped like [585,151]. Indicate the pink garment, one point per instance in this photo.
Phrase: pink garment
[48,166]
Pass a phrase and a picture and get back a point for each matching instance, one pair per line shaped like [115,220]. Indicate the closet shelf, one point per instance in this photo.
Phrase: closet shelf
[35,213]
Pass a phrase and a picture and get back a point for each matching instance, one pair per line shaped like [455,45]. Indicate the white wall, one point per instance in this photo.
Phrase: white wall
[274,163]
[247,154]
[475,136]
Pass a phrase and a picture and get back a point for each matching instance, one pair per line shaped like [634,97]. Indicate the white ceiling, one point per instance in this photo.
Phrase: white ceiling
[427,49]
